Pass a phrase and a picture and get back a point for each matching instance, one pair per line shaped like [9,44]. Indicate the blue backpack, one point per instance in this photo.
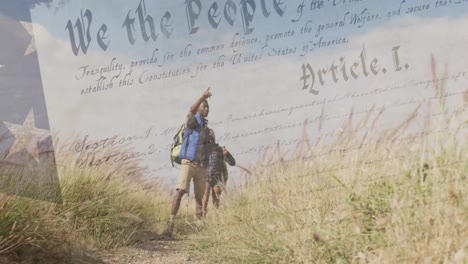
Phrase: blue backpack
[181,148]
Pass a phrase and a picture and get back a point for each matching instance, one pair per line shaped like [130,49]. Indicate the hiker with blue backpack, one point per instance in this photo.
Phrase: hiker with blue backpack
[193,158]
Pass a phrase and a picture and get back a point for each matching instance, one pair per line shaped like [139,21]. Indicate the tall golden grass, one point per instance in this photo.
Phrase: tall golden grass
[95,208]
[368,197]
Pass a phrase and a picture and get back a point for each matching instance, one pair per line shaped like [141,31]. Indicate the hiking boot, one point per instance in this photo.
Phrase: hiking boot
[168,230]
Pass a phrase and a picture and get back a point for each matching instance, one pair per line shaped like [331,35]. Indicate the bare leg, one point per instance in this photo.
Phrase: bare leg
[216,196]
[206,198]
[199,204]
[176,202]
[199,182]
[174,209]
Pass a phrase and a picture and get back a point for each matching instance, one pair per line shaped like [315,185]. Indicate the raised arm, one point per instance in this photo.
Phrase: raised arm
[205,95]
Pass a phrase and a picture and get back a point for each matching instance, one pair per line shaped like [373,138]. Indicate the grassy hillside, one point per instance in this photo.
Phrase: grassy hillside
[95,208]
[387,197]
[374,205]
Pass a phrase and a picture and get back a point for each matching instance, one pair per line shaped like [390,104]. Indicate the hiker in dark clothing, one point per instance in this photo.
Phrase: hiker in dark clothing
[216,171]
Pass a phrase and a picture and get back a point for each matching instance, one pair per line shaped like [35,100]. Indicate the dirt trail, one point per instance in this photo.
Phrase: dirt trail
[157,250]
[148,248]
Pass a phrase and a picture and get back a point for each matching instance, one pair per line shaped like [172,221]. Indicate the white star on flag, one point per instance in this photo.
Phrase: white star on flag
[27,136]
[25,142]
[32,44]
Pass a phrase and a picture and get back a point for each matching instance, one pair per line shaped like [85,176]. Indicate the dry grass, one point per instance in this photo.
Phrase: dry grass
[373,205]
[98,207]
[368,197]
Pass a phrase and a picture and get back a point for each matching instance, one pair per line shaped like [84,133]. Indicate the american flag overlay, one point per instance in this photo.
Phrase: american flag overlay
[27,164]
